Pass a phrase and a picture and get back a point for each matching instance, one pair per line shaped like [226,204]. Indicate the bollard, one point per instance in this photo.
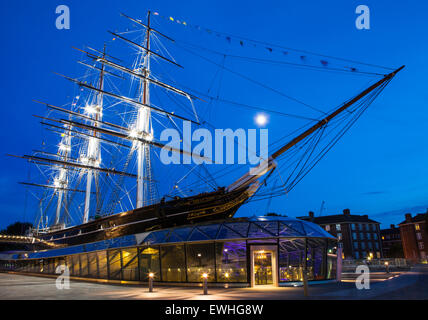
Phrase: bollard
[151,277]
[205,277]
[305,284]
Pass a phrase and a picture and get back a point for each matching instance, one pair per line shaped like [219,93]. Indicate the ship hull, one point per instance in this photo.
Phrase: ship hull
[205,207]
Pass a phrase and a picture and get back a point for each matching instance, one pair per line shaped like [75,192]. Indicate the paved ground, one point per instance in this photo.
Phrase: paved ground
[408,285]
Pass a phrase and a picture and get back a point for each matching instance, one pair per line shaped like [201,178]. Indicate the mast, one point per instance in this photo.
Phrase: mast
[143,122]
[93,155]
[269,164]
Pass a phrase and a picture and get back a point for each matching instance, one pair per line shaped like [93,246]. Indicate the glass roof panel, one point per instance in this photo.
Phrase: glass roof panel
[198,236]
[172,237]
[227,233]
[271,227]
[297,226]
[257,232]
[183,233]
[239,227]
[312,230]
[210,230]
[286,231]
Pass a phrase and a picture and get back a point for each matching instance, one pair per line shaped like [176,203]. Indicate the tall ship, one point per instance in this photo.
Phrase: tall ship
[107,143]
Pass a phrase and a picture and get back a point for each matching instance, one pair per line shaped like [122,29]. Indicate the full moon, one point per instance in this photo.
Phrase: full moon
[261,119]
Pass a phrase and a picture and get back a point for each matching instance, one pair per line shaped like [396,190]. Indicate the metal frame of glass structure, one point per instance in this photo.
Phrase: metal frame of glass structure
[184,254]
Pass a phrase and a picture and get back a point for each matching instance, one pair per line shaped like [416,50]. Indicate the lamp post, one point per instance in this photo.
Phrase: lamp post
[387,266]
[205,284]
[151,277]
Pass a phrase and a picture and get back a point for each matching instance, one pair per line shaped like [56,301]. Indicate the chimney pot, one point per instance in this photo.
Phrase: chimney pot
[408,217]
[311,214]
[392,226]
[347,212]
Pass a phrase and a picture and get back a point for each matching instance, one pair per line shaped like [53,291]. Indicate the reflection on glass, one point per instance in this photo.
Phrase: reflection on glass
[331,260]
[84,265]
[102,264]
[200,260]
[76,265]
[45,266]
[130,264]
[173,264]
[231,260]
[93,265]
[115,266]
[149,263]
[291,260]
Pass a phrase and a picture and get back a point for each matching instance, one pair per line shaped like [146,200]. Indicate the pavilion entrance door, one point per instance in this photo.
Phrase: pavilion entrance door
[264,266]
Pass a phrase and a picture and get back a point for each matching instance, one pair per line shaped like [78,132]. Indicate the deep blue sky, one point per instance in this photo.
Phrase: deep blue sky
[379,168]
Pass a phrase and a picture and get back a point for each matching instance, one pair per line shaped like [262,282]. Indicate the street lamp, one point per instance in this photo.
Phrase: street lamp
[387,266]
[205,286]
[151,277]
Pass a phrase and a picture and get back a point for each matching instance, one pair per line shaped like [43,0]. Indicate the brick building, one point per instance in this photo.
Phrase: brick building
[391,242]
[359,235]
[414,236]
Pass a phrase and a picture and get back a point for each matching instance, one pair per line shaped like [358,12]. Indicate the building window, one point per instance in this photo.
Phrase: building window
[362,236]
[339,236]
[419,236]
[370,245]
[417,227]
[356,245]
[363,245]
[327,228]
[421,245]
[338,227]
[369,236]
[353,226]
[375,236]
[357,255]
[377,245]
[354,236]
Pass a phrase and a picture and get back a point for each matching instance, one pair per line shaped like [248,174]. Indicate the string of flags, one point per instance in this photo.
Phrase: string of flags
[246,42]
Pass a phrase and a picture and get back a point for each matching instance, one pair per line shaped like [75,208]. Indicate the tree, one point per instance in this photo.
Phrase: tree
[18,229]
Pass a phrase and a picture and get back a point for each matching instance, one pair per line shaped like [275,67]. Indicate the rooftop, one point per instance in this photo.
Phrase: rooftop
[346,217]
[421,217]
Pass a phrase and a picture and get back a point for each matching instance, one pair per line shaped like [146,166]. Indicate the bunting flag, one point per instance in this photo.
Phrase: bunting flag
[243,42]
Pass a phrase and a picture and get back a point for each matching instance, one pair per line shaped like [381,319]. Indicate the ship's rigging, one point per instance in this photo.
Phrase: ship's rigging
[91,145]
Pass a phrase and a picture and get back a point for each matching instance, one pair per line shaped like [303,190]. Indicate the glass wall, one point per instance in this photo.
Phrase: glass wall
[331,260]
[316,259]
[130,270]
[84,271]
[149,263]
[173,263]
[200,260]
[93,265]
[102,264]
[223,261]
[115,264]
[231,259]
[291,260]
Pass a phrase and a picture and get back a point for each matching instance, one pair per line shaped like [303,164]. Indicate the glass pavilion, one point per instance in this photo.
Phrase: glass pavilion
[244,251]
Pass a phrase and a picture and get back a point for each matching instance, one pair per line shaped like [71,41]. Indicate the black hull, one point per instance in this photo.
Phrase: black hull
[201,208]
